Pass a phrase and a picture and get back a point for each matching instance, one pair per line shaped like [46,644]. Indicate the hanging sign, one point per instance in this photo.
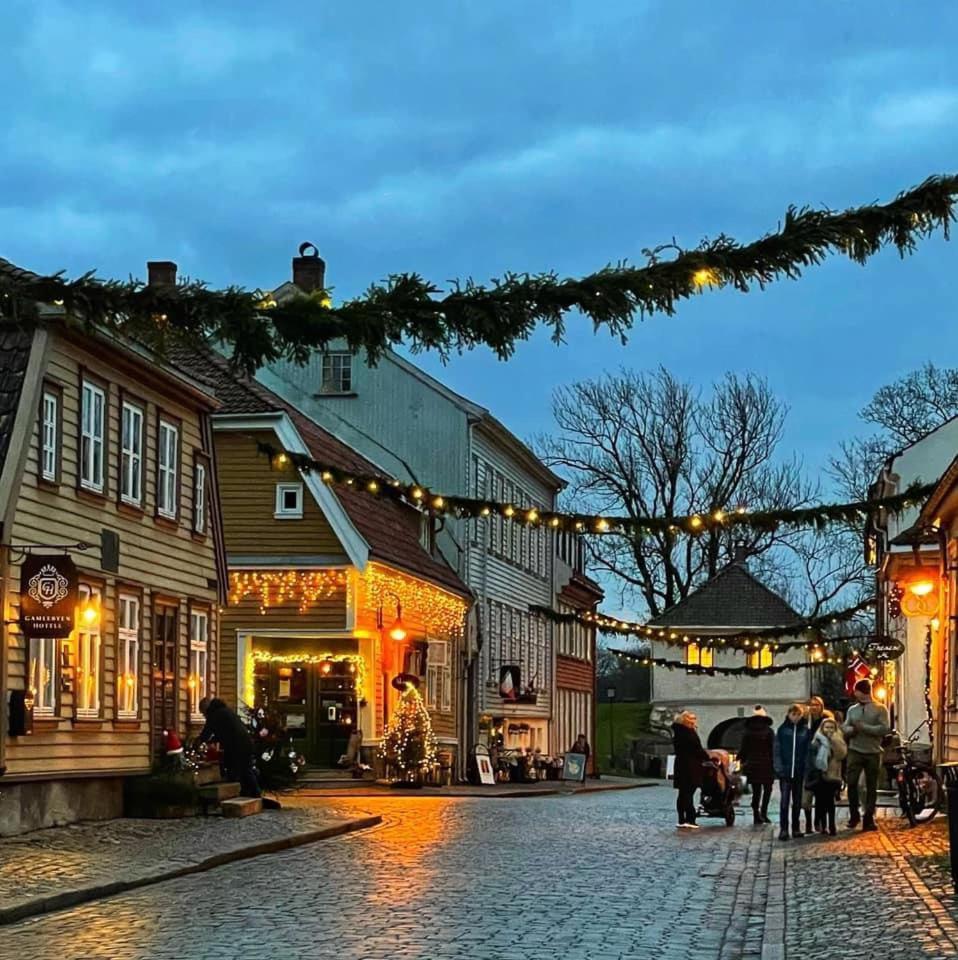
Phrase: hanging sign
[48,595]
[884,648]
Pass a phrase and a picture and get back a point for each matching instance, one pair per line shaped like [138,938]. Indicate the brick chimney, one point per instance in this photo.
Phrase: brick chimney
[161,273]
[309,269]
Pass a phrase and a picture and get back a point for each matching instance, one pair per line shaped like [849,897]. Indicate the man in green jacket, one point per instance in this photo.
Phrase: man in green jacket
[865,725]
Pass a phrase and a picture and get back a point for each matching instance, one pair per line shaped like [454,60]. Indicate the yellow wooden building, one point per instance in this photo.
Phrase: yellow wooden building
[333,593]
[106,457]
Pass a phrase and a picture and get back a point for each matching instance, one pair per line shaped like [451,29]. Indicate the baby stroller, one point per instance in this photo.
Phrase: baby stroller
[720,788]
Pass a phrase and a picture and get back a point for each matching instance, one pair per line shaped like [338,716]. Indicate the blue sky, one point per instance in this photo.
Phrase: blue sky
[459,139]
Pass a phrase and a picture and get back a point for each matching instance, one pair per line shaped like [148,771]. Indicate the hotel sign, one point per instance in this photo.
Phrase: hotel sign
[48,596]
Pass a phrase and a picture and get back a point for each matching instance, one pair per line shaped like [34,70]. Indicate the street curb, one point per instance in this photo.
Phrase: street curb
[70,898]
[477,794]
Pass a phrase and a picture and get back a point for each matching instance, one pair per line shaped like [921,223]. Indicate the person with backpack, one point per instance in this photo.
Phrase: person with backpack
[790,757]
[826,753]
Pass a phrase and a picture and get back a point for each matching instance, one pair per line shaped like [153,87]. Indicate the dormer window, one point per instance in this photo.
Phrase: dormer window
[337,373]
[289,501]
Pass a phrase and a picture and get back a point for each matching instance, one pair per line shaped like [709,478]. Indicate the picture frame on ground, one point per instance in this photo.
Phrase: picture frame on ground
[486,773]
[573,767]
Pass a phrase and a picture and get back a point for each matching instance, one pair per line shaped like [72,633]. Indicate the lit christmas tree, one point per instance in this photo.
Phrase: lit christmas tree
[409,745]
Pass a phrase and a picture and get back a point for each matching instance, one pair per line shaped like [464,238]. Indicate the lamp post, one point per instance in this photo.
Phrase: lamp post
[610,693]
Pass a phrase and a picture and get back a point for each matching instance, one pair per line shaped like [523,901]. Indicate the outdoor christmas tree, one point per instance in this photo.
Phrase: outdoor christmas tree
[409,745]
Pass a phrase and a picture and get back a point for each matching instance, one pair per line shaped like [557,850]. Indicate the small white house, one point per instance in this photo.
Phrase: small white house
[732,601]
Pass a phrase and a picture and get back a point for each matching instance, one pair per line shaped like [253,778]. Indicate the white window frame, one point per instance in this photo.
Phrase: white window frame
[167,473]
[131,455]
[199,660]
[281,511]
[438,677]
[44,652]
[337,373]
[92,441]
[199,497]
[50,435]
[89,643]
[128,657]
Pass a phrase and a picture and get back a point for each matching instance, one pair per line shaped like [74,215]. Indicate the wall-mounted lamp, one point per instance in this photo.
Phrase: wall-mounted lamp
[397,631]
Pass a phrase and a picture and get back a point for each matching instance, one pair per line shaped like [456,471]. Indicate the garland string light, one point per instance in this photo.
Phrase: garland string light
[444,504]
[740,640]
[275,588]
[408,309]
[357,665]
[440,613]
[645,661]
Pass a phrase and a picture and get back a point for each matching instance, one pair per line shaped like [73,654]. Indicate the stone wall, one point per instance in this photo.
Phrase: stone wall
[53,803]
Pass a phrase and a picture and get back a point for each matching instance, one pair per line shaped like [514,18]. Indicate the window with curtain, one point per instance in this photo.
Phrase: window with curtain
[43,675]
[131,454]
[88,642]
[128,657]
[697,655]
[199,651]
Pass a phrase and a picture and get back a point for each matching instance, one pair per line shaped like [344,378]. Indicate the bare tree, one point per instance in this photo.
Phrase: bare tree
[914,404]
[647,444]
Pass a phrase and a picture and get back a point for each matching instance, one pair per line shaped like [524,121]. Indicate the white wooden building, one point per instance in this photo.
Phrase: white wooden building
[732,601]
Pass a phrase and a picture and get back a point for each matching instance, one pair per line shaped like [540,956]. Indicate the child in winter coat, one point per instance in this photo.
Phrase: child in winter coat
[791,753]
[826,754]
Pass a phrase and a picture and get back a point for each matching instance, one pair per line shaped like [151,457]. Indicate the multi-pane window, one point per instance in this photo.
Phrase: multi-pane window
[92,432]
[516,637]
[199,497]
[199,651]
[168,464]
[699,656]
[438,676]
[50,436]
[759,659]
[131,454]
[88,654]
[43,675]
[128,656]
[337,373]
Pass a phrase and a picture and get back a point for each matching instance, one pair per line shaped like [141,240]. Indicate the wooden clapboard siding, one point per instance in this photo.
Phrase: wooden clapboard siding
[247,485]
[574,674]
[156,559]
[245,617]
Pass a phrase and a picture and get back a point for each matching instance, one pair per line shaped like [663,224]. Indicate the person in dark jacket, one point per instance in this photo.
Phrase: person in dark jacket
[790,757]
[756,757]
[226,728]
[687,776]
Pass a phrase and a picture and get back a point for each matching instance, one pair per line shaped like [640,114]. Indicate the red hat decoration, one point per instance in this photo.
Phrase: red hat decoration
[171,743]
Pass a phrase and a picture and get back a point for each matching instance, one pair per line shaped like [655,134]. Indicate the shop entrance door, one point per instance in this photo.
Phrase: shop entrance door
[314,702]
[163,674]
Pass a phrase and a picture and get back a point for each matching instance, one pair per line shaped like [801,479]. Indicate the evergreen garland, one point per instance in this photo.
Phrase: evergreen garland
[408,309]
[723,671]
[443,504]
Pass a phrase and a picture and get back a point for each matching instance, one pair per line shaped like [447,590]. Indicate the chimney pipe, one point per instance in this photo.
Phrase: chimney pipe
[741,553]
[309,270]
[161,273]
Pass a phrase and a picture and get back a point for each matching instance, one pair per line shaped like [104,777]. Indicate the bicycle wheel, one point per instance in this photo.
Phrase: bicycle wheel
[905,801]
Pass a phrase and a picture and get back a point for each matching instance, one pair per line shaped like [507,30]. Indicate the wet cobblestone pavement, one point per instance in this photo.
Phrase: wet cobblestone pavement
[600,876]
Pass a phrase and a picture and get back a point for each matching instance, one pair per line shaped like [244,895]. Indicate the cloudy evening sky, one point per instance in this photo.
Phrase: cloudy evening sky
[458,139]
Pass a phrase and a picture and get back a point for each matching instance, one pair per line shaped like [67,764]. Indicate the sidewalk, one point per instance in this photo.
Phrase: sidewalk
[892,886]
[55,868]
[512,791]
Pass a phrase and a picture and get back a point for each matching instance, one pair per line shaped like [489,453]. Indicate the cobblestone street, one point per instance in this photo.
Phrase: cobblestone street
[597,876]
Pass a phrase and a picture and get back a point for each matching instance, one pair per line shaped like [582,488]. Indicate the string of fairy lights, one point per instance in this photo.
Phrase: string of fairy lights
[272,588]
[697,524]
[355,664]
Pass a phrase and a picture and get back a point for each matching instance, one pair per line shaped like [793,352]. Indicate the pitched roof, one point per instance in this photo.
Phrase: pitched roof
[732,598]
[14,355]
[390,529]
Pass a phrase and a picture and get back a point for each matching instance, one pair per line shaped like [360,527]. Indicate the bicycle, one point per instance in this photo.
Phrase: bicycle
[919,787]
